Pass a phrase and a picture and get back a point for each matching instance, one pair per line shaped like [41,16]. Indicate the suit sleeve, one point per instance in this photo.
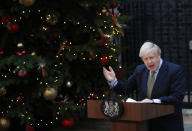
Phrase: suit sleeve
[177,87]
[126,86]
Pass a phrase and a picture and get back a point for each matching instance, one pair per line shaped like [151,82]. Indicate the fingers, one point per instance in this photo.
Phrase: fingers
[110,68]
[104,70]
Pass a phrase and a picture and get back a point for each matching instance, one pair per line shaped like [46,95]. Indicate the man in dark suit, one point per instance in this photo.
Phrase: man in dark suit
[156,81]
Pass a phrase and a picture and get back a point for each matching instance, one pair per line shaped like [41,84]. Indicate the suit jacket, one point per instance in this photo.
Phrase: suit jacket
[169,87]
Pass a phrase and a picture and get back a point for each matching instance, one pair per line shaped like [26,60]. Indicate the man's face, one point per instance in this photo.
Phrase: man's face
[151,60]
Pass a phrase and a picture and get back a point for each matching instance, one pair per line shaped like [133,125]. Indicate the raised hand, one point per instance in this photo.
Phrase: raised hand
[109,74]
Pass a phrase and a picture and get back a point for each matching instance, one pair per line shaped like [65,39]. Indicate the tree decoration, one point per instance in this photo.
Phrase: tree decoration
[59,85]
[68,84]
[27,2]
[1,52]
[68,122]
[22,73]
[115,4]
[21,52]
[3,91]
[114,18]
[20,96]
[51,18]
[119,72]
[30,127]
[12,28]
[81,101]
[50,94]
[104,10]
[5,19]
[4,123]
[32,35]
[102,42]
[104,61]
[20,45]
[41,66]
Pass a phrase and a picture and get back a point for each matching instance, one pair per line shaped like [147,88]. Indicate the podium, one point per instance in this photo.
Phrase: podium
[135,115]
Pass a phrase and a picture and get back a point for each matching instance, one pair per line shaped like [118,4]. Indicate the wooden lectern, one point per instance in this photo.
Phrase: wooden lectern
[135,115]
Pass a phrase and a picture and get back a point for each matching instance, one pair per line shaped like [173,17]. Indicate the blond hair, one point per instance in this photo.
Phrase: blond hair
[149,47]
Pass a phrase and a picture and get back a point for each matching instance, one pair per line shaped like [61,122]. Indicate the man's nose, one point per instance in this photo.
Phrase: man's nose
[149,61]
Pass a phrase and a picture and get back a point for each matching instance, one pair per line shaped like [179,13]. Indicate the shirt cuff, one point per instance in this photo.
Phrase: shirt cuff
[157,101]
[113,83]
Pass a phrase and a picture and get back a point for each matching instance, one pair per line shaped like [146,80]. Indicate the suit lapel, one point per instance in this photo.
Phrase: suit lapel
[159,77]
[145,77]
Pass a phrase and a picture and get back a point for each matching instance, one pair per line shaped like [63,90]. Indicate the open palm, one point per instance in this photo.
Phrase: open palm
[109,74]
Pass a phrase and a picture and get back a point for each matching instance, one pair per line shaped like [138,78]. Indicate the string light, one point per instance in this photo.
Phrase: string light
[44,28]
[57,56]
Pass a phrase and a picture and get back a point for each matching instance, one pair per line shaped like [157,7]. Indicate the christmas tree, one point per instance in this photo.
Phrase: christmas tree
[51,58]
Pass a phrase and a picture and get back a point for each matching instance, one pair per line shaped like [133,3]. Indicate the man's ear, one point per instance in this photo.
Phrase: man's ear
[141,59]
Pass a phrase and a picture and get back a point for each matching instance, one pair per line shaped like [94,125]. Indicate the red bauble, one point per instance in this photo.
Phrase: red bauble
[104,61]
[80,101]
[68,122]
[102,42]
[30,128]
[5,19]
[59,85]
[13,28]
[32,35]
[22,73]
[119,72]
[115,4]
[1,52]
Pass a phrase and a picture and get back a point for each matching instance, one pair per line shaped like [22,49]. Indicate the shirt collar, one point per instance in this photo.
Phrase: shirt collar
[160,64]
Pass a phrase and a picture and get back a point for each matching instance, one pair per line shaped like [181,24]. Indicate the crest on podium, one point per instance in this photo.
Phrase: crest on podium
[112,108]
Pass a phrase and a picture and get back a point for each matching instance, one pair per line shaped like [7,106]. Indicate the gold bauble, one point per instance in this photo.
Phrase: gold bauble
[3,91]
[4,123]
[104,10]
[50,94]
[27,2]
